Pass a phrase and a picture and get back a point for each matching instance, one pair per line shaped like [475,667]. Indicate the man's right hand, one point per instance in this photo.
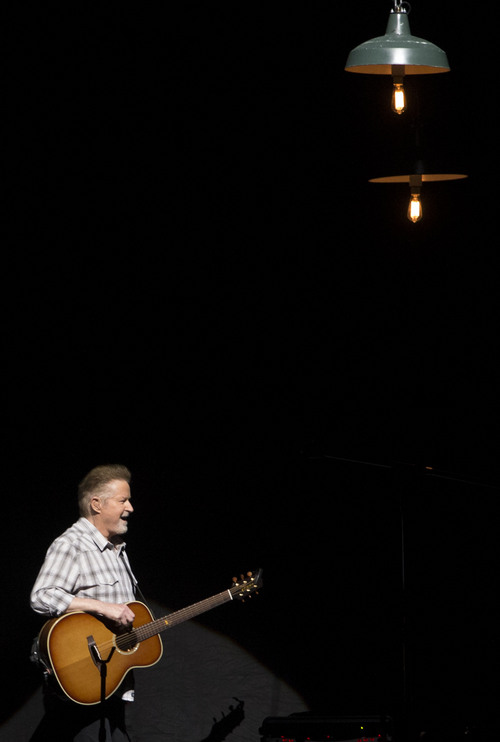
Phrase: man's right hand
[119,615]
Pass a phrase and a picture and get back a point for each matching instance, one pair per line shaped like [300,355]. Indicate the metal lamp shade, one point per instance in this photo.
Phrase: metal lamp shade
[398,48]
[423,177]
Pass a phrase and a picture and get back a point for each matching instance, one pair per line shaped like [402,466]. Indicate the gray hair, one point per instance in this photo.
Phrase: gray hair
[94,484]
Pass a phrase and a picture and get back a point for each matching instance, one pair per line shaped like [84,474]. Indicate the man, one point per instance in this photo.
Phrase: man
[87,569]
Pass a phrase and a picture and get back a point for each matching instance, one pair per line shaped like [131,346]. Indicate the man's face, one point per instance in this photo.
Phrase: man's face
[113,512]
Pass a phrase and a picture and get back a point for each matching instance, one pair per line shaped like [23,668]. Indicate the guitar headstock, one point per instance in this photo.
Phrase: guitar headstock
[244,586]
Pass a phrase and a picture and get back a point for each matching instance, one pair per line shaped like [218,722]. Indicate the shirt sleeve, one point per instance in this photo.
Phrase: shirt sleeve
[54,587]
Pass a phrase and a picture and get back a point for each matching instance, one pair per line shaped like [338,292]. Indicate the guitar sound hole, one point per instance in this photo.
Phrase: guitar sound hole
[126,642]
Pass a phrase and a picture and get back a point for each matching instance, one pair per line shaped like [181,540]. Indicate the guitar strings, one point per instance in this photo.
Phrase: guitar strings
[129,640]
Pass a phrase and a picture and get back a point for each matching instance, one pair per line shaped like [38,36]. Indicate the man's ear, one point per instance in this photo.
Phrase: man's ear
[96,504]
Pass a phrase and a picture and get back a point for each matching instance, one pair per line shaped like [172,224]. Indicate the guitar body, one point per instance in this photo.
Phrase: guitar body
[64,645]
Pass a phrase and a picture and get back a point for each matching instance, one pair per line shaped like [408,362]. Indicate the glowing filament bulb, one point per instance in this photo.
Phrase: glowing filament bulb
[415,207]
[398,96]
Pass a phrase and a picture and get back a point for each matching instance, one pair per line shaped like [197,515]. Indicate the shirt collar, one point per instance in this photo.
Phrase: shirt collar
[100,541]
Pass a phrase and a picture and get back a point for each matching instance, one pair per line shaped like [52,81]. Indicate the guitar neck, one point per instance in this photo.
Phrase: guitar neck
[185,614]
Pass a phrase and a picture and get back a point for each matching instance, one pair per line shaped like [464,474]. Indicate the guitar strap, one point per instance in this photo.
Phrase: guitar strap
[138,592]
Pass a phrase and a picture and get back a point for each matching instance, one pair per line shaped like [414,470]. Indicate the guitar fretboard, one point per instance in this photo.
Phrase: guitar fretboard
[141,633]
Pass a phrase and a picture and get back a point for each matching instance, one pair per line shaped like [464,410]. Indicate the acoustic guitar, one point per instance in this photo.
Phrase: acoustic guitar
[90,662]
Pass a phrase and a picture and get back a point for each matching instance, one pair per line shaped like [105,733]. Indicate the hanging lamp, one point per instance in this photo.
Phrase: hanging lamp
[415,181]
[397,53]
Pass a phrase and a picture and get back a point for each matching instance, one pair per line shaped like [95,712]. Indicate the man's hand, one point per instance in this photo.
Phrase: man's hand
[118,614]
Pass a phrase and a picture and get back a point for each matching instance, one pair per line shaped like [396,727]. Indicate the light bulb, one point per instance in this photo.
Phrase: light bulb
[415,208]
[398,103]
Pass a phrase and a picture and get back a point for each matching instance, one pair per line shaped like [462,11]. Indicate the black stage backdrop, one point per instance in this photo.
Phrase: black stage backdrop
[199,281]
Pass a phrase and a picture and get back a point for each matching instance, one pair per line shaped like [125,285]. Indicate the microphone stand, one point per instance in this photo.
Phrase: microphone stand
[406,477]
[400,479]
[102,666]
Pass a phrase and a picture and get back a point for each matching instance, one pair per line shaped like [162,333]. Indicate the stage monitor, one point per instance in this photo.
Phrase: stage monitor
[306,727]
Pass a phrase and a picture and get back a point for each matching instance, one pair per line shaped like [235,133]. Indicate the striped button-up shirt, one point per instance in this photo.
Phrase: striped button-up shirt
[82,562]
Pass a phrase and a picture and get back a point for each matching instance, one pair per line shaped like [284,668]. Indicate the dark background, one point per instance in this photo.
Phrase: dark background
[199,281]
